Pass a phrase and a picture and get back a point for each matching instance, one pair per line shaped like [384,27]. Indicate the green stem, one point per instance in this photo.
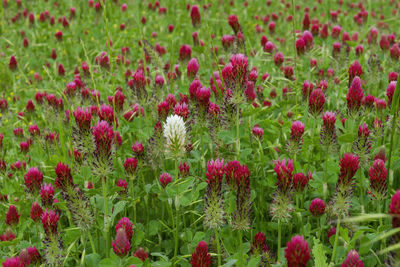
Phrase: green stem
[218,247]
[91,242]
[107,232]
[177,205]
[279,240]
[336,240]
[237,133]
[325,186]
[241,263]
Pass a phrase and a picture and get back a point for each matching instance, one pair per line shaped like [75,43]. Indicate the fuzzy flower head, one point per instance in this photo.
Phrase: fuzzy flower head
[103,138]
[175,134]
[64,177]
[47,194]
[349,165]
[394,209]
[13,262]
[49,222]
[130,165]
[355,95]
[12,216]
[33,179]
[259,244]
[300,181]
[316,102]
[317,207]
[125,224]
[377,178]
[352,260]
[83,118]
[36,212]
[355,69]
[121,244]
[297,252]
[165,179]
[201,257]
[258,132]
[284,173]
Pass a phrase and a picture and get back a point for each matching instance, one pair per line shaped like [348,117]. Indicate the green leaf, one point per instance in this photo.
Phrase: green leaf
[117,209]
[108,263]
[153,227]
[92,260]
[318,252]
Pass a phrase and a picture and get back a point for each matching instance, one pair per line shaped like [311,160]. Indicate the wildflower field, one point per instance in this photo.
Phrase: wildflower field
[199,133]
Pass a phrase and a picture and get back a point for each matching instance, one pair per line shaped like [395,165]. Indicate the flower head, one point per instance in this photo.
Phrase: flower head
[12,216]
[349,165]
[83,117]
[259,244]
[175,134]
[394,209]
[201,257]
[317,207]
[33,179]
[36,212]
[352,260]
[297,252]
[316,101]
[258,131]
[125,224]
[165,179]
[377,178]
[47,194]
[49,222]
[13,262]
[284,173]
[141,254]
[355,95]
[103,138]
[64,177]
[121,244]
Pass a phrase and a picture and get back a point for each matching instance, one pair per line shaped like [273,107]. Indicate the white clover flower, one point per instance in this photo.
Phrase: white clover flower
[175,134]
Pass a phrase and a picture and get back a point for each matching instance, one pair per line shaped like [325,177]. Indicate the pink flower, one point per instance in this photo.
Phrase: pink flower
[201,257]
[297,252]
[259,244]
[13,63]
[316,102]
[284,174]
[355,69]
[47,194]
[64,177]
[300,181]
[13,262]
[195,16]
[183,169]
[130,165]
[138,149]
[234,23]
[317,207]
[355,95]
[377,177]
[297,130]
[83,117]
[106,113]
[12,216]
[36,212]
[103,137]
[121,245]
[192,68]
[33,179]
[215,172]
[49,222]
[165,179]
[352,260]
[349,165]
[125,224]
[185,52]
[141,254]
[258,131]
[394,209]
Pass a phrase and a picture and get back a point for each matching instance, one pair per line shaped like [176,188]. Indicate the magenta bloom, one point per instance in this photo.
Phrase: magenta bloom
[297,130]
[49,222]
[195,16]
[300,181]
[349,165]
[47,194]
[258,131]
[352,260]
[165,179]
[13,262]
[130,165]
[377,177]
[13,64]
[125,224]
[233,21]
[64,177]
[12,216]
[215,172]
[239,69]
[394,209]
[183,169]
[36,212]
[201,257]
[34,255]
[316,101]
[284,174]
[192,68]
[103,137]
[259,244]
[297,252]
[33,179]
[317,207]
[355,69]
[121,245]
[355,95]
[83,117]
[138,149]
[106,113]
[329,119]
